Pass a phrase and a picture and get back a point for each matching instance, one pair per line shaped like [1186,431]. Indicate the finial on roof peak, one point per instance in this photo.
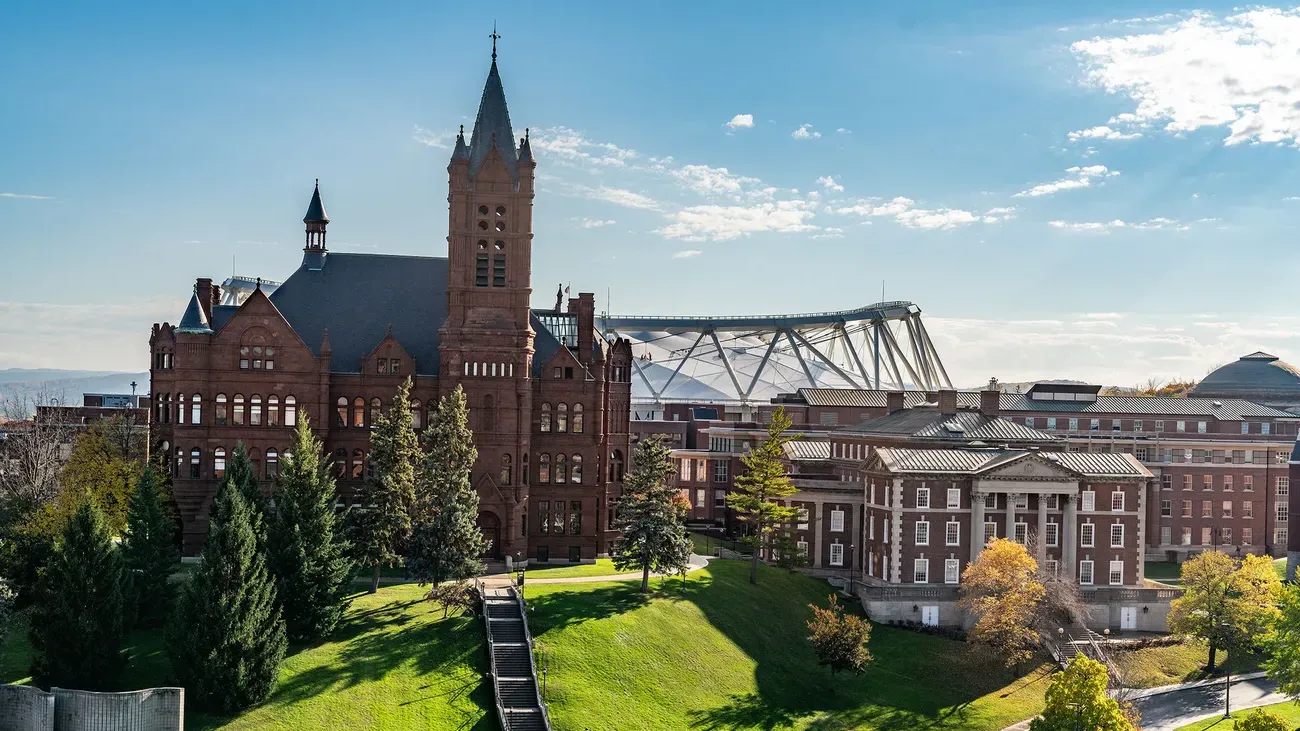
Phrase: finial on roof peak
[494,38]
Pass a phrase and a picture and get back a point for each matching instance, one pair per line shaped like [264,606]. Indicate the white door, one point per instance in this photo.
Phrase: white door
[930,616]
[1128,617]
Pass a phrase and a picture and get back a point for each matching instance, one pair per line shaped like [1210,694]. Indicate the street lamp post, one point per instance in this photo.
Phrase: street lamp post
[1227,681]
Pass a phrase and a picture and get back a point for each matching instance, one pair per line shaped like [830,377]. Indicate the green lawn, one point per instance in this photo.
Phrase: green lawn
[393,664]
[602,567]
[1150,667]
[717,653]
[1287,710]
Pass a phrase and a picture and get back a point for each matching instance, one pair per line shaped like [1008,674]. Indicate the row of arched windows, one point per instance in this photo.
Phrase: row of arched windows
[234,411]
[562,423]
[489,369]
[190,463]
[360,465]
[353,413]
[561,471]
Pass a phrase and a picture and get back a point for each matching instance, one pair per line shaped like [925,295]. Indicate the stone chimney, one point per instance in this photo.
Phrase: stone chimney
[204,291]
[947,402]
[894,401]
[584,306]
[990,399]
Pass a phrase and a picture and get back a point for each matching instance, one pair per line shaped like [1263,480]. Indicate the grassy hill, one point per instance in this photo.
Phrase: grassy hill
[719,653]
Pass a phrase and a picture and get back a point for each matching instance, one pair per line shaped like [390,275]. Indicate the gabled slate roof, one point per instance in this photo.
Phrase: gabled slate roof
[195,320]
[925,422]
[357,296]
[492,127]
[806,450]
[978,461]
[1099,465]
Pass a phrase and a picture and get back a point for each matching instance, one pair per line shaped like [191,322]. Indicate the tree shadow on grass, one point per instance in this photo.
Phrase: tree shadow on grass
[557,609]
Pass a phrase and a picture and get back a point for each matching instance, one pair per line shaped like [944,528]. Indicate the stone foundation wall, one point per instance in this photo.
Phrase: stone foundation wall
[26,708]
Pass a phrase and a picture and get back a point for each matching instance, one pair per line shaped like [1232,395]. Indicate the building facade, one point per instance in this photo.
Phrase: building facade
[548,397]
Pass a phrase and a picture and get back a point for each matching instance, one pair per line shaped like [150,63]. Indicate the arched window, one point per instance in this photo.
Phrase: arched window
[196,460]
[272,463]
[255,410]
[359,412]
[489,417]
[358,464]
[196,409]
[219,414]
[561,469]
[239,409]
[524,473]
[543,469]
[417,417]
[341,413]
[616,466]
[157,408]
[180,408]
[219,462]
[561,418]
[290,411]
[546,418]
[506,470]
[255,457]
[575,473]
[179,467]
[577,418]
[341,462]
[167,409]
[376,408]
[272,410]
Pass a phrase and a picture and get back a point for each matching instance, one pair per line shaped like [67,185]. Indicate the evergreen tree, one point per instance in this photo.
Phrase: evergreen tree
[307,557]
[445,538]
[149,551]
[764,482]
[380,528]
[651,534]
[76,630]
[226,638]
[243,473]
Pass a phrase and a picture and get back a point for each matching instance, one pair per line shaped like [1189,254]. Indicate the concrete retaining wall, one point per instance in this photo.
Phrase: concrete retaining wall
[1148,616]
[25,708]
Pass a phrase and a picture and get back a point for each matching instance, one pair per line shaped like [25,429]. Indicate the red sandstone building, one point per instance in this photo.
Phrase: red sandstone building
[549,398]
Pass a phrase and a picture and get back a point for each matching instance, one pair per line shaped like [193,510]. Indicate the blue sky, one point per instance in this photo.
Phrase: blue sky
[144,145]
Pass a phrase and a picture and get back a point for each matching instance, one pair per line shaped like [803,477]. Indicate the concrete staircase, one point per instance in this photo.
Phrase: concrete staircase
[514,675]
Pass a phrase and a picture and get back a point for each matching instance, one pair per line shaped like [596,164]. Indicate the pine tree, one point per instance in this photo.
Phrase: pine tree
[243,473]
[306,555]
[149,551]
[226,638]
[445,538]
[379,530]
[651,534]
[76,630]
[764,482]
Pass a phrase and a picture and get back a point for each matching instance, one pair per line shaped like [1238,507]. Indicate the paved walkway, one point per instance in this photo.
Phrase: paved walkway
[697,562]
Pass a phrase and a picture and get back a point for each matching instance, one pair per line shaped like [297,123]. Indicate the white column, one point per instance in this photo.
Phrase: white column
[977,524]
[896,529]
[1042,528]
[1012,497]
[1070,537]
[815,522]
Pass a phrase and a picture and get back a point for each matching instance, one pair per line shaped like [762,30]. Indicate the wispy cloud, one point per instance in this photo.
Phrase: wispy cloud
[619,197]
[723,223]
[829,183]
[567,145]
[843,131]
[713,182]
[1102,132]
[905,213]
[1236,72]
[1151,224]
[805,132]
[26,196]
[741,120]
[687,254]
[1080,177]
[594,222]
[429,138]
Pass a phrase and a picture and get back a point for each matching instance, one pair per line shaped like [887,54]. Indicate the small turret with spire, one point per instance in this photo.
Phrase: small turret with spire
[316,220]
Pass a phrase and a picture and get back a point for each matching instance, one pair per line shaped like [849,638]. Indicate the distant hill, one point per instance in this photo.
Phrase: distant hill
[66,385]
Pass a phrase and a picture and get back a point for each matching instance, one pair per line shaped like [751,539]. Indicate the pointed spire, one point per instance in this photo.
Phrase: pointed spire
[462,150]
[325,342]
[195,320]
[316,209]
[492,126]
[525,149]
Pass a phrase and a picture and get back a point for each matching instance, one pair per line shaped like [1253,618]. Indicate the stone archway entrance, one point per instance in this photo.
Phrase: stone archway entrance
[490,525]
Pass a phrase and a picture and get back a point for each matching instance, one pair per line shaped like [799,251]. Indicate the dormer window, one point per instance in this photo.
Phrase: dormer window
[381,365]
[395,366]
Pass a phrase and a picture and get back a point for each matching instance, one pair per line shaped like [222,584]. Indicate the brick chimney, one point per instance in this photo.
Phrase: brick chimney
[990,399]
[584,306]
[204,291]
[947,402]
[894,401]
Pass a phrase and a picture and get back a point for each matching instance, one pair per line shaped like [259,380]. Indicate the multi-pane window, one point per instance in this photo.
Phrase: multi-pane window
[239,410]
[1021,533]
[1029,422]
[219,413]
[1089,501]
[1187,537]
[1280,536]
[1117,501]
[1247,509]
[1187,482]
[951,570]
[1166,535]
[720,467]
[1116,535]
[954,498]
[1137,426]
[1166,508]
[1207,482]
[701,470]
[1200,427]
[990,532]
[1207,508]
[1247,534]
[1140,452]
[1248,483]
[837,521]
[575,518]
[1225,535]
[1283,486]
[1085,572]
[922,497]
[685,465]
[1281,512]
[922,533]
[802,519]
[1022,502]
[1053,568]
[1074,424]
[921,570]
[195,463]
[219,462]
[719,498]
[1207,535]
[1053,536]
[1187,508]
[1227,483]
[837,554]
[1160,426]
[1226,510]
[1166,482]
[952,533]
[1086,533]
[991,501]
[1116,572]
[255,410]
[1180,426]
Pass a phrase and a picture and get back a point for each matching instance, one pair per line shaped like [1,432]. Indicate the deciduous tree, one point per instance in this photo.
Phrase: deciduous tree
[307,556]
[1223,603]
[649,518]
[839,639]
[1077,699]
[1002,589]
[105,465]
[1261,720]
[446,541]
[763,482]
[452,595]
[379,529]
[226,638]
[76,629]
[149,551]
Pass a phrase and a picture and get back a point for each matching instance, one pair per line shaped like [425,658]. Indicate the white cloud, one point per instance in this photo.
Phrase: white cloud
[995,215]
[741,120]
[829,183]
[1158,223]
[1081,177]
[905,212]
[1237,72]
[1102,133]
[25,196]
[561,144]
[830,232]
[844,131]
[594,222]
[443,140]
[710,181]
[723,223]
[687,254]
[1292,198]
[805,132]
[620,197]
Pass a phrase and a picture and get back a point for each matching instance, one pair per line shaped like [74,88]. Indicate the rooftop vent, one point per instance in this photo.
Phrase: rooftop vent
[1217,404]
[954,428]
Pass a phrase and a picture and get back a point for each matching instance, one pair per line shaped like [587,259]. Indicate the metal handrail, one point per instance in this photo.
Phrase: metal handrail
[492,659]
[528,637]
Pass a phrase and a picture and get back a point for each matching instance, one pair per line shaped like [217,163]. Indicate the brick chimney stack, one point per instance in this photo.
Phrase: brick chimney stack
[894,401]
[990,399]
[204,291]
[584,306]
[947,402]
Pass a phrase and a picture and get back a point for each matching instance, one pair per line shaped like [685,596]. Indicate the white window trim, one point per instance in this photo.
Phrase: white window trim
[1113,526]
[837,557]
[1089,535]
[922,526]
[1053,536]
[949,539]
[1090,573]
[924,565]
[951,570]
[837,521]
[954,492]
[1111,573]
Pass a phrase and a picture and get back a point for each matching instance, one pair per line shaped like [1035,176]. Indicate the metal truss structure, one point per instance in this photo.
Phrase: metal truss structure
[750,359]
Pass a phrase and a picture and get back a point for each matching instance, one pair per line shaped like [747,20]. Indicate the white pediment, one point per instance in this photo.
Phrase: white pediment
[1029,467]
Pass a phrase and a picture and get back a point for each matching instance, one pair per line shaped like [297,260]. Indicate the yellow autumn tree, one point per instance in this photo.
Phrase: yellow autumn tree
[1001,588]
[1225,603]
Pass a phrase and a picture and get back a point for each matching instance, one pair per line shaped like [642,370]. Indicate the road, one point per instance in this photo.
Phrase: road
[1168,711]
